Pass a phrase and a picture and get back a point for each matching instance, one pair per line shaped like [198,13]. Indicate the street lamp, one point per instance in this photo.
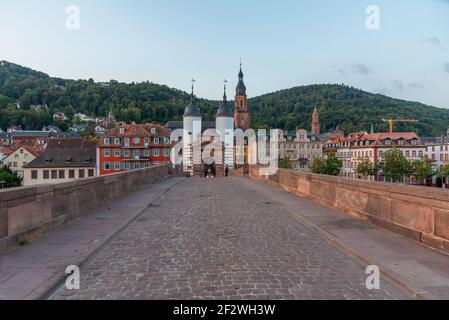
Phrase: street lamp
[2,183]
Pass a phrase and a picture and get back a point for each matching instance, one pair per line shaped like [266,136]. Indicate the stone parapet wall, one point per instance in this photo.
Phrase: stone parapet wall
[420,213]
[27,211]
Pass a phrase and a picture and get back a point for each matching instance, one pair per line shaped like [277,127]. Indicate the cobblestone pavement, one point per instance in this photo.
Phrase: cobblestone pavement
[216,239]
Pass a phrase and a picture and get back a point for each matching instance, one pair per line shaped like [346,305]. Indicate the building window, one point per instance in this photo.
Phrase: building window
[117,141]
[136,153]
[147,164]
[156,152]
[136,140]
[46,174]
[34,174]
[126,142]
[91,172]
[147,141]
[107,141]
[116,165]
[117,152]
[166,152]
[107,166]
[81,173]
[61,174]
[126,153]
[146,153]
[107,152]
[153,130]
[54,174]
[126,165]
[71,174]
[156,140]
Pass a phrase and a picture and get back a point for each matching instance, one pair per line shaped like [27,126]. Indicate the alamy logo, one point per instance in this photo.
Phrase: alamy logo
[72,21]
[73,280]
[373,280]
[372,22]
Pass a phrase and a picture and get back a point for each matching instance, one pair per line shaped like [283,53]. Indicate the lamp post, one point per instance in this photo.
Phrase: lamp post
[2,183]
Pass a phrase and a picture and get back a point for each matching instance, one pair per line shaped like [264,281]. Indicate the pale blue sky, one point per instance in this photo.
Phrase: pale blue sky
[283,43]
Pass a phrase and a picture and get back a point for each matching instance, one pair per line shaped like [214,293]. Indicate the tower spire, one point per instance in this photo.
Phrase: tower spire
[193,82]
[224,94]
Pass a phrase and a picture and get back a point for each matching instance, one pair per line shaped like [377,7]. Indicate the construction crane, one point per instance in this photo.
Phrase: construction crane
[391,121]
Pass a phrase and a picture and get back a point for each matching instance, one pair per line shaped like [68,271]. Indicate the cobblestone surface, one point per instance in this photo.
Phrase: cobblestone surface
[216,239]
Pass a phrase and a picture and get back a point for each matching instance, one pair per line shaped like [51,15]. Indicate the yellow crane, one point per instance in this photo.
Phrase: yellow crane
[391,121]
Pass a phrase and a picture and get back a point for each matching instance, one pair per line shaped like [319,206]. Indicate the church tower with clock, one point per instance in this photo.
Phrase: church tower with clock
[241,112]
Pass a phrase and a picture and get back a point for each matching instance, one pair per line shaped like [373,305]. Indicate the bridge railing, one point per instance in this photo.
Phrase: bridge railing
[27,211]
[417,212]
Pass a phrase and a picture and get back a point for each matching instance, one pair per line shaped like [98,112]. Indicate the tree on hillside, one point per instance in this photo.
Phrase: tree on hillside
[395,166]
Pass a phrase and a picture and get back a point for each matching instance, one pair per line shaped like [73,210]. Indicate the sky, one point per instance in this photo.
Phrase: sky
[282,43]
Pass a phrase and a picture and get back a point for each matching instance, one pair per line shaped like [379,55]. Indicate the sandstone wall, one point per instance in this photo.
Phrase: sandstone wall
[27,211]
[419,213]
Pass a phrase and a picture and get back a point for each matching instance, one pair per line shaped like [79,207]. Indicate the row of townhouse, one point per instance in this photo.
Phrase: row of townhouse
[130,147]
[300,148]
[356,147]
[123,148]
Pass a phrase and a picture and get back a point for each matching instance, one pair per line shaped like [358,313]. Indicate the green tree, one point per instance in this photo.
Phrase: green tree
[422,169]
[318,166]
[333,165]
[330,166]
[367,168]
[284,164]
[10,178]
[445,171]
[395,166]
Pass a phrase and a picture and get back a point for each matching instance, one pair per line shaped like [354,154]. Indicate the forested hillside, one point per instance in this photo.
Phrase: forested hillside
[350,108]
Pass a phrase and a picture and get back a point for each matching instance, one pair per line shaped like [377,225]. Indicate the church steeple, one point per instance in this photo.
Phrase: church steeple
[315,122]
[241,88]
[241,112]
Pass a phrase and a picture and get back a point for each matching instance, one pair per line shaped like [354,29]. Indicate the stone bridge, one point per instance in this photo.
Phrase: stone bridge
[147,234]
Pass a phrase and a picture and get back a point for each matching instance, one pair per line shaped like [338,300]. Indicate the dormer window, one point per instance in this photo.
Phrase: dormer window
[387,142]
[153,130]
[400,142]
[414,142]
[122,130]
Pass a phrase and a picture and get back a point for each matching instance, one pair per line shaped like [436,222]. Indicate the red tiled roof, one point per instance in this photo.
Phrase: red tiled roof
[6,150]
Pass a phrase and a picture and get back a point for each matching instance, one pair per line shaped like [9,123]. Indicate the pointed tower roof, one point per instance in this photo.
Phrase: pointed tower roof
[192,110]
[241,88]
[224,110]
